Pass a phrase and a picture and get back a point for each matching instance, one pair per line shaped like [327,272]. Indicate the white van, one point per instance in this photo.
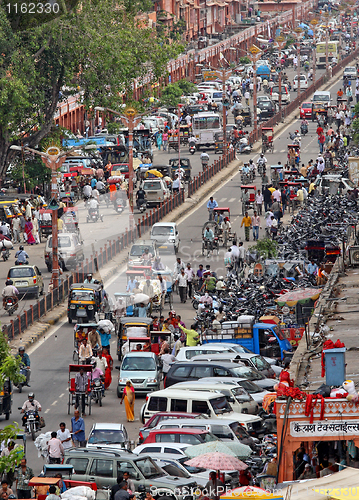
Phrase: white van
[213,404]
[214,95]
[156,191]
[238,398]
[333,184]
[166,235]
[213,85]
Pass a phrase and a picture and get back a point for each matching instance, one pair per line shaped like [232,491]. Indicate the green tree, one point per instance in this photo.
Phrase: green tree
[100,48]
[171,95]
[186,87]
[8,463]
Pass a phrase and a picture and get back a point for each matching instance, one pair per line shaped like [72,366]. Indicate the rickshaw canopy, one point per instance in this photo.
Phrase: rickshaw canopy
[77,368]
[277,166]
[154,173]
[135,321]
[247,186]
[267,129]
[222,210]
[56,468]
[86,286]
[44,481]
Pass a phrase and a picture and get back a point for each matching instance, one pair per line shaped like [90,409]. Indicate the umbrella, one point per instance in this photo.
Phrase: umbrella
[217,461]
[140,297]
[156,173]
[303,295]
[250,492]
[235,449]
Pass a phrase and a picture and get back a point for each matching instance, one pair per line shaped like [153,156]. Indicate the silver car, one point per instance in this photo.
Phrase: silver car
[144,371]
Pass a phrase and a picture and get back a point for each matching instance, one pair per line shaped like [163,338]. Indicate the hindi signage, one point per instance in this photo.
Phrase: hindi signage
[324,428]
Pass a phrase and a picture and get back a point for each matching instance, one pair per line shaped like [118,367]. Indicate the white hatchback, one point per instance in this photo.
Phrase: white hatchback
[303,82]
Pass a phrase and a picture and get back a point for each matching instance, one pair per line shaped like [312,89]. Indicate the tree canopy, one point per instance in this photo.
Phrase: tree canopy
[99,47]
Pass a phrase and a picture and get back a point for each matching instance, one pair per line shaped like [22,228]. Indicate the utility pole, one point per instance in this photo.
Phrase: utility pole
[314,23]
[256,52]
[298,31]
[280,42]
[130,118]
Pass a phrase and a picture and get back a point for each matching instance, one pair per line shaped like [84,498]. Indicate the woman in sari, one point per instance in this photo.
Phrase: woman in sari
[129,397]
[108,374]
[28,230]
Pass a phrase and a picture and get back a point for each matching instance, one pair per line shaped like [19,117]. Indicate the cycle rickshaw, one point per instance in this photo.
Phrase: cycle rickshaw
[208,246]
[81,332]
[132,327]
[76,397]
[248,197]
[220,213]
[167,276]
[267,139]
[293,155]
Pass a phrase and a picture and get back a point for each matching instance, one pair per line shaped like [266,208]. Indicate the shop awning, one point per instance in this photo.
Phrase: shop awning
[337,483]
[302,296]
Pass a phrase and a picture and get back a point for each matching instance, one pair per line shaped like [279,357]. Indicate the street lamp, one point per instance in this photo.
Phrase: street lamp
[298,31]
[280,42]
[130,119]
[314,23]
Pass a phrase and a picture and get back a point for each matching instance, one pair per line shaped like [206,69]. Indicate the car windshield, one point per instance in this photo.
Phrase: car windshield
[276,90]
[99,436]
[162,230]
[320,97]
[208,437]
[138,364]
[238,430]
[21,272]
[63,242]
[250,387]
[82,295]
[148,468]
[220,405]
[153,185]
[138,250]
[247,372]
[189,468]
[120,168]
[306,105]
[240,348]
[260,363]
[240,394]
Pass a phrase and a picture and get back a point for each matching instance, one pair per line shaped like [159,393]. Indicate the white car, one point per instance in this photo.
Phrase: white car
[303,82]
[165,448]
[263,98]
[108,436]
[166,235]
[350,72]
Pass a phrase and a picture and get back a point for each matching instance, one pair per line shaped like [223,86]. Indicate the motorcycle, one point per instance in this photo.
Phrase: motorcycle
[204,162]
[244,149]
[32,423]
[11,305]
[94,215]
[118,205]
[192,149]
[17,263]
[96,392]
[142,205]
[304,129]
[5,254]
[20,385]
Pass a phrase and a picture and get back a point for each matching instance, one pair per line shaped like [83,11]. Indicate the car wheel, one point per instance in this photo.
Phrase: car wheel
[119,393]
[42,290]
[69,320]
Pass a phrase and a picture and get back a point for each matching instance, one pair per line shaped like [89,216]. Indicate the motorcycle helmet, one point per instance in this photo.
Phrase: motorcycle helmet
[21,349]
[21,247]
[9,282]
[31,396]
[89,276]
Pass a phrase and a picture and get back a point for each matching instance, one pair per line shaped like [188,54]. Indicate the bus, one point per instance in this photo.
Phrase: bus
[333,51]
[205,126]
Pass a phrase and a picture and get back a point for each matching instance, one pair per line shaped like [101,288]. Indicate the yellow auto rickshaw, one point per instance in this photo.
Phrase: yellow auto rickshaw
[84,302]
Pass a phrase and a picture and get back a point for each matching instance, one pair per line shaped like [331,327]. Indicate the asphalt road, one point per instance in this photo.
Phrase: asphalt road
[51,356]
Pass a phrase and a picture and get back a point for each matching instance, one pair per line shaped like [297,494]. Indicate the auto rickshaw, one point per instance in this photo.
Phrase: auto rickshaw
[267,139]
[218,141]
[139,273]
[132,327]
[173,137]
[75,396]
[293,155]
[248,197]
[246,115]
[84,302]
[185,166]
[81,332]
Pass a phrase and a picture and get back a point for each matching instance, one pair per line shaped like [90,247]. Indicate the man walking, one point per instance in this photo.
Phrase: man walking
[78,431]
[64,435]
[181,281]
[16,229]
[23,474]
[247,221]
[190,275]
[255,226]
[259,202]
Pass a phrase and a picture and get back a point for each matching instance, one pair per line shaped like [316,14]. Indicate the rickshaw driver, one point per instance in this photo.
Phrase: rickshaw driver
[89,279]
[226,227]
[209,237]
[9,291]
[211,205]
[31,404]
[245,168]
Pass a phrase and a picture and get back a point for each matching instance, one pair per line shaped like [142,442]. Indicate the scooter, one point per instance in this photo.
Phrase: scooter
[304,129]
[10,305]
[5,254]
[119,205]
[192,148]
[142,205]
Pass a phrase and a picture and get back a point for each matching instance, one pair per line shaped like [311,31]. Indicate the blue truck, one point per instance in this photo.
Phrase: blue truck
[261,338]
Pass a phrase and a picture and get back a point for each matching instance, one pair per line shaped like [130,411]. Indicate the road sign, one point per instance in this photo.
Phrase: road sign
[53,204]
[254,50]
